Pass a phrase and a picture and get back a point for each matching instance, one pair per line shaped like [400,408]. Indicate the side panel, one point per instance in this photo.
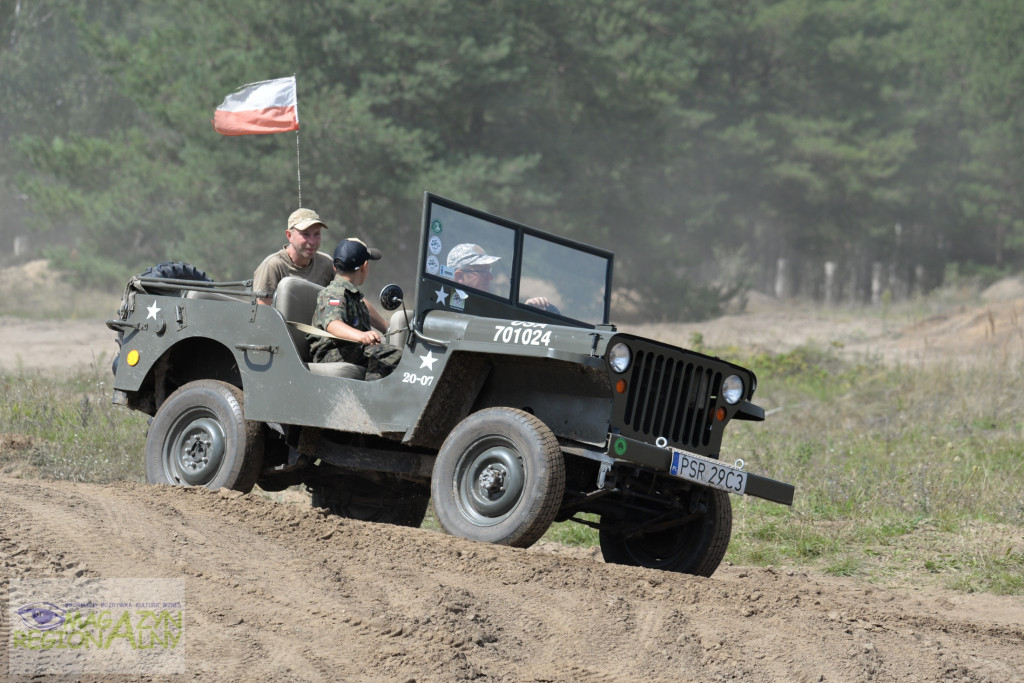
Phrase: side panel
[553,371]
[278,386]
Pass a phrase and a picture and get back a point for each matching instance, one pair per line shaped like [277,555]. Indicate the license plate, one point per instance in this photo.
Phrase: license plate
[708,472]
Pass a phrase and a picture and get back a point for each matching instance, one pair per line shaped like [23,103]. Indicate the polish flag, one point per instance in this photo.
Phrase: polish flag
[259,108]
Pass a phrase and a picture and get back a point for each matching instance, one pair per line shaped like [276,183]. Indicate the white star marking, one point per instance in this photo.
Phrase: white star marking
[153,310]
[428,361]
[442,296]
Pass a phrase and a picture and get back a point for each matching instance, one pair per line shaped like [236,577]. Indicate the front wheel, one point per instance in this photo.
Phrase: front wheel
[696,546]
[499,478]
[200,437]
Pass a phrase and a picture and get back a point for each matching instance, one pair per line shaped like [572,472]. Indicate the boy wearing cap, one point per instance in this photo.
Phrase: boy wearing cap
[299,257]
[342,311]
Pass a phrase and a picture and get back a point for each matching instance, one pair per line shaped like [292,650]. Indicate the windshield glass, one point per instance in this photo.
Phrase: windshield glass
[470,251]
[484,265]
[571,281]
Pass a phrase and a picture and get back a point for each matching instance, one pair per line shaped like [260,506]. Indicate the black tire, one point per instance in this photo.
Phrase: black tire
[696,547]
[200,437]
[499,477]
[402,503]
[176,270]
[275,453]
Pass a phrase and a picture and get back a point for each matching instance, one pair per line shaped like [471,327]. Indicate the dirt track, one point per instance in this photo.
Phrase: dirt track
[278,591]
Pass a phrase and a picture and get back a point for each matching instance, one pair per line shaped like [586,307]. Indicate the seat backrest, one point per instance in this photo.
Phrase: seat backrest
[295,298]
[398,327]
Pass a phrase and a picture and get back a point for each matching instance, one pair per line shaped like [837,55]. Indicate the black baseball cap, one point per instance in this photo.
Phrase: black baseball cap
[352,253]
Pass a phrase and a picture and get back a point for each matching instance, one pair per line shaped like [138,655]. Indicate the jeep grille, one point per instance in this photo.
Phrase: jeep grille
[671,397]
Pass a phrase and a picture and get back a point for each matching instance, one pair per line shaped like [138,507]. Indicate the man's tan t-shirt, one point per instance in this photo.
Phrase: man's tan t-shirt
[279,265]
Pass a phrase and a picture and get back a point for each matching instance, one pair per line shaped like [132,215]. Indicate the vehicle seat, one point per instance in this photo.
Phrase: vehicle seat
[295,298]
[398,328]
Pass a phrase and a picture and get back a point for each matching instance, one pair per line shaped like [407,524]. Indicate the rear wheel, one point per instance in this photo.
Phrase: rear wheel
[403,503]
[499,478]
[200,437]
[696,546]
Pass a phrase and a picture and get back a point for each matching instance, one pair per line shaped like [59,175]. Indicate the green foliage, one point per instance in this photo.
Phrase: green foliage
[681,136]
[573,533]
[90,270]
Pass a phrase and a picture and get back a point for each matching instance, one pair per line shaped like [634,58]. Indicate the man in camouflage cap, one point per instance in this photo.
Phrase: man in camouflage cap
[300,257]
[342,311]
[471,266]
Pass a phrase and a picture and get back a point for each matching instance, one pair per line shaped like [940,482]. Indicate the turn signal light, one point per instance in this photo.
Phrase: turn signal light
[620,386]
[720,413]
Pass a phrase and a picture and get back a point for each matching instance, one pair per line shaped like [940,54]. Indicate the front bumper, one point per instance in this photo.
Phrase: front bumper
[624,449]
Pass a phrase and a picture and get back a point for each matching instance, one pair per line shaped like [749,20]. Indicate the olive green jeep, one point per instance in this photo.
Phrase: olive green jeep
[516,404]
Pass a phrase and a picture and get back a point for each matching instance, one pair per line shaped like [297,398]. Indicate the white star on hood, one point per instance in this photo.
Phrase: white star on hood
[153,310]
[428,360]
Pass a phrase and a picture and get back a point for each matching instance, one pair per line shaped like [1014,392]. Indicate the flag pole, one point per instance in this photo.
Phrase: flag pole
[298,159]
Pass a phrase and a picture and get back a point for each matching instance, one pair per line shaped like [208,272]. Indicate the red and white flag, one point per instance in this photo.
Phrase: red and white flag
[259,108]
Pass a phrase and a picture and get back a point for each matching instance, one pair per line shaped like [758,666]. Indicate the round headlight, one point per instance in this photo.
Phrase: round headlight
[619,357]
[732,389]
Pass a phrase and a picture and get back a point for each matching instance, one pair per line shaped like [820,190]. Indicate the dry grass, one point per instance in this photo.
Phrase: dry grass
[902,474]
[68,429]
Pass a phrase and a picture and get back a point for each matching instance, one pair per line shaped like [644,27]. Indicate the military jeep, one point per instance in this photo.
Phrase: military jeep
[516,403]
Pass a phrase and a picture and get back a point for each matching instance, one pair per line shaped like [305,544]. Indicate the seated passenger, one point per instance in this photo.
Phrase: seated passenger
[472,266]
[342,311]
[299,257]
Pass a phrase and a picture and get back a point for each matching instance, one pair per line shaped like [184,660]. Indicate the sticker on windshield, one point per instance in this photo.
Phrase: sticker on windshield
[433,265]
[448,272]
[459,300]
[435,227]
[435,245]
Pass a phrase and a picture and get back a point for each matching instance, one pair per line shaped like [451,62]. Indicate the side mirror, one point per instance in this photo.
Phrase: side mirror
[391,297]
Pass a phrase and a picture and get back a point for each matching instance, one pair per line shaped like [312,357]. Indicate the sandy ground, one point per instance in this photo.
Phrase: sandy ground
[282,592]
[44,345]
[279,591]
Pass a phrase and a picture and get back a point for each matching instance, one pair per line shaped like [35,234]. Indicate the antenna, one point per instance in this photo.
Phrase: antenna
[298,158]
[298,167]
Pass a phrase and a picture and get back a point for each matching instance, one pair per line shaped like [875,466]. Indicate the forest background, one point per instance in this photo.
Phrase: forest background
[702,141]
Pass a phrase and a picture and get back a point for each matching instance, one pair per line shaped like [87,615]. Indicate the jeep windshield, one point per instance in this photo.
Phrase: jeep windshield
[481,264]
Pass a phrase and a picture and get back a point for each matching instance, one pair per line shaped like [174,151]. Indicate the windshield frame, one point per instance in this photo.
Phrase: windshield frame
[435,284]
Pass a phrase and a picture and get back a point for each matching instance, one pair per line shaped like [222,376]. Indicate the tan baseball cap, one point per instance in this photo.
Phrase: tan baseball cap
[304,218]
